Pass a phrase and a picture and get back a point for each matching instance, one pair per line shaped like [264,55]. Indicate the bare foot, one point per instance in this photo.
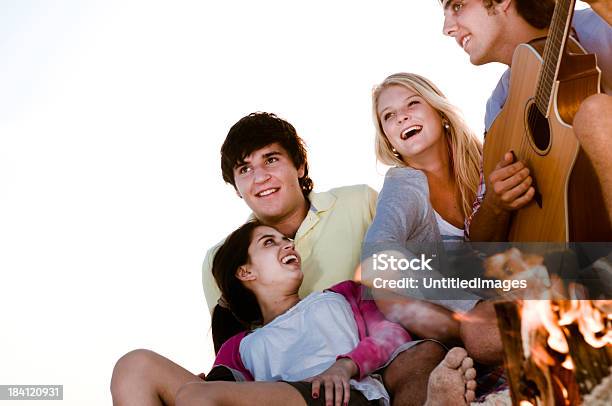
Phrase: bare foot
[452,382]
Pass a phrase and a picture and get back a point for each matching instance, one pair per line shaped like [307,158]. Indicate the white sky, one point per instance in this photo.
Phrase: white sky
[112,114]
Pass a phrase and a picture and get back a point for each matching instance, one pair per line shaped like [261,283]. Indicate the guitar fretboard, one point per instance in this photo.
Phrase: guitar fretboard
[553,52]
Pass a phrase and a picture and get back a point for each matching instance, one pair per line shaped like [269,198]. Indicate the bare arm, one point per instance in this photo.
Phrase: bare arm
[592,128]
[490,223]
[425,319]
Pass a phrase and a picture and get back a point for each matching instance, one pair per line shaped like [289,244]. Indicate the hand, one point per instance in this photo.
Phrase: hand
[511,184]
[336,382]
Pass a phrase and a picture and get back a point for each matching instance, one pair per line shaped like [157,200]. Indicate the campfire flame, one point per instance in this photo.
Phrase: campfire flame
[544,326]
[538,313]
[590,321]
[591,316]
[566,341]
[568,363]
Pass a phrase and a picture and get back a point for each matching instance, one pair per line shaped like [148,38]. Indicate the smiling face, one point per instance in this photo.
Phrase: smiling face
[273,260]
[411,125]
[268,182]
[478,30]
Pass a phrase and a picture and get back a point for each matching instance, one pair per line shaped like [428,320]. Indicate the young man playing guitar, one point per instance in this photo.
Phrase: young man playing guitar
[490,31]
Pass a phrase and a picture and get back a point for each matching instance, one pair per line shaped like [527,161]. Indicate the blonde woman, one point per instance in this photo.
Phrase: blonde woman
[426,197]
[435,159]
[427,194]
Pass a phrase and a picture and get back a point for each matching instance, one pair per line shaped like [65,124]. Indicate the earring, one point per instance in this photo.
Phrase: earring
[395,153]
[446,125]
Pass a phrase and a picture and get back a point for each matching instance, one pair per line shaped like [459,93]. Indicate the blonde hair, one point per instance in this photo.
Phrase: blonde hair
[465,149]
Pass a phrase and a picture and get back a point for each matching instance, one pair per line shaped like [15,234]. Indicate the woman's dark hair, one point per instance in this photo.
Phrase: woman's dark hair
[224,326]
[242,308]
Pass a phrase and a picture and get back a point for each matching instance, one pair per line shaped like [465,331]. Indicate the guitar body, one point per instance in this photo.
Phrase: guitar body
[550,149]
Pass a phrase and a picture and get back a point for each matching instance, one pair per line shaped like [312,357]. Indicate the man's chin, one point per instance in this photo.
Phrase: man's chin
[478,60]
[265,205]
[475,61]
[267,214]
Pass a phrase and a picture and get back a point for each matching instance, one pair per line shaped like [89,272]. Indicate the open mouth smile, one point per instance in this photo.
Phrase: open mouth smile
[411,131]
[290,259]
[266,192]
[464,41]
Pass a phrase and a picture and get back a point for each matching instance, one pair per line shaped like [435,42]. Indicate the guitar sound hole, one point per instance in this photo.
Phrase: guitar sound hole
[538,127]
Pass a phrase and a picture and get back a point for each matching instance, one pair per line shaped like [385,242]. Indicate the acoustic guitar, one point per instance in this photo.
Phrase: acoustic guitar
[550,78]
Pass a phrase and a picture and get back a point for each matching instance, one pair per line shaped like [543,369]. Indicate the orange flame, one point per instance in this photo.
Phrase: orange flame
[590,316]
[568,363]
[545,323]
[543,327]
[540,313]
[590,322]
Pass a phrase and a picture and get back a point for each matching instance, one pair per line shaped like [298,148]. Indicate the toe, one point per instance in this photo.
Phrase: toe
[454,357]
[470,374]
[471,385]
[467,363]
[470,396]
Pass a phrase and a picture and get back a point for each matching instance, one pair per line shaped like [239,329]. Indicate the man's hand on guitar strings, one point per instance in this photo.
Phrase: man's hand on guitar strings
[511,184]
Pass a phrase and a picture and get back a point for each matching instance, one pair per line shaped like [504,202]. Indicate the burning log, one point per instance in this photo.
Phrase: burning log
[555,352]
[530,377]
[591,365]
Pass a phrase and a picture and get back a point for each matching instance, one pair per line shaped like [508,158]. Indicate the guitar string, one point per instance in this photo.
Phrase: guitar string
[545,82]
[547,75]
[553,46]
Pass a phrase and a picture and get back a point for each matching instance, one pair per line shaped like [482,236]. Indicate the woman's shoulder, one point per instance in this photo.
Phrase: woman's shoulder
[352,291]
[230,348]
[404,171]
[400,181]
[405,175]
[345,287]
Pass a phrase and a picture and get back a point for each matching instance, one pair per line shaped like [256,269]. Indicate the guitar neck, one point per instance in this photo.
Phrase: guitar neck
[553,52]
